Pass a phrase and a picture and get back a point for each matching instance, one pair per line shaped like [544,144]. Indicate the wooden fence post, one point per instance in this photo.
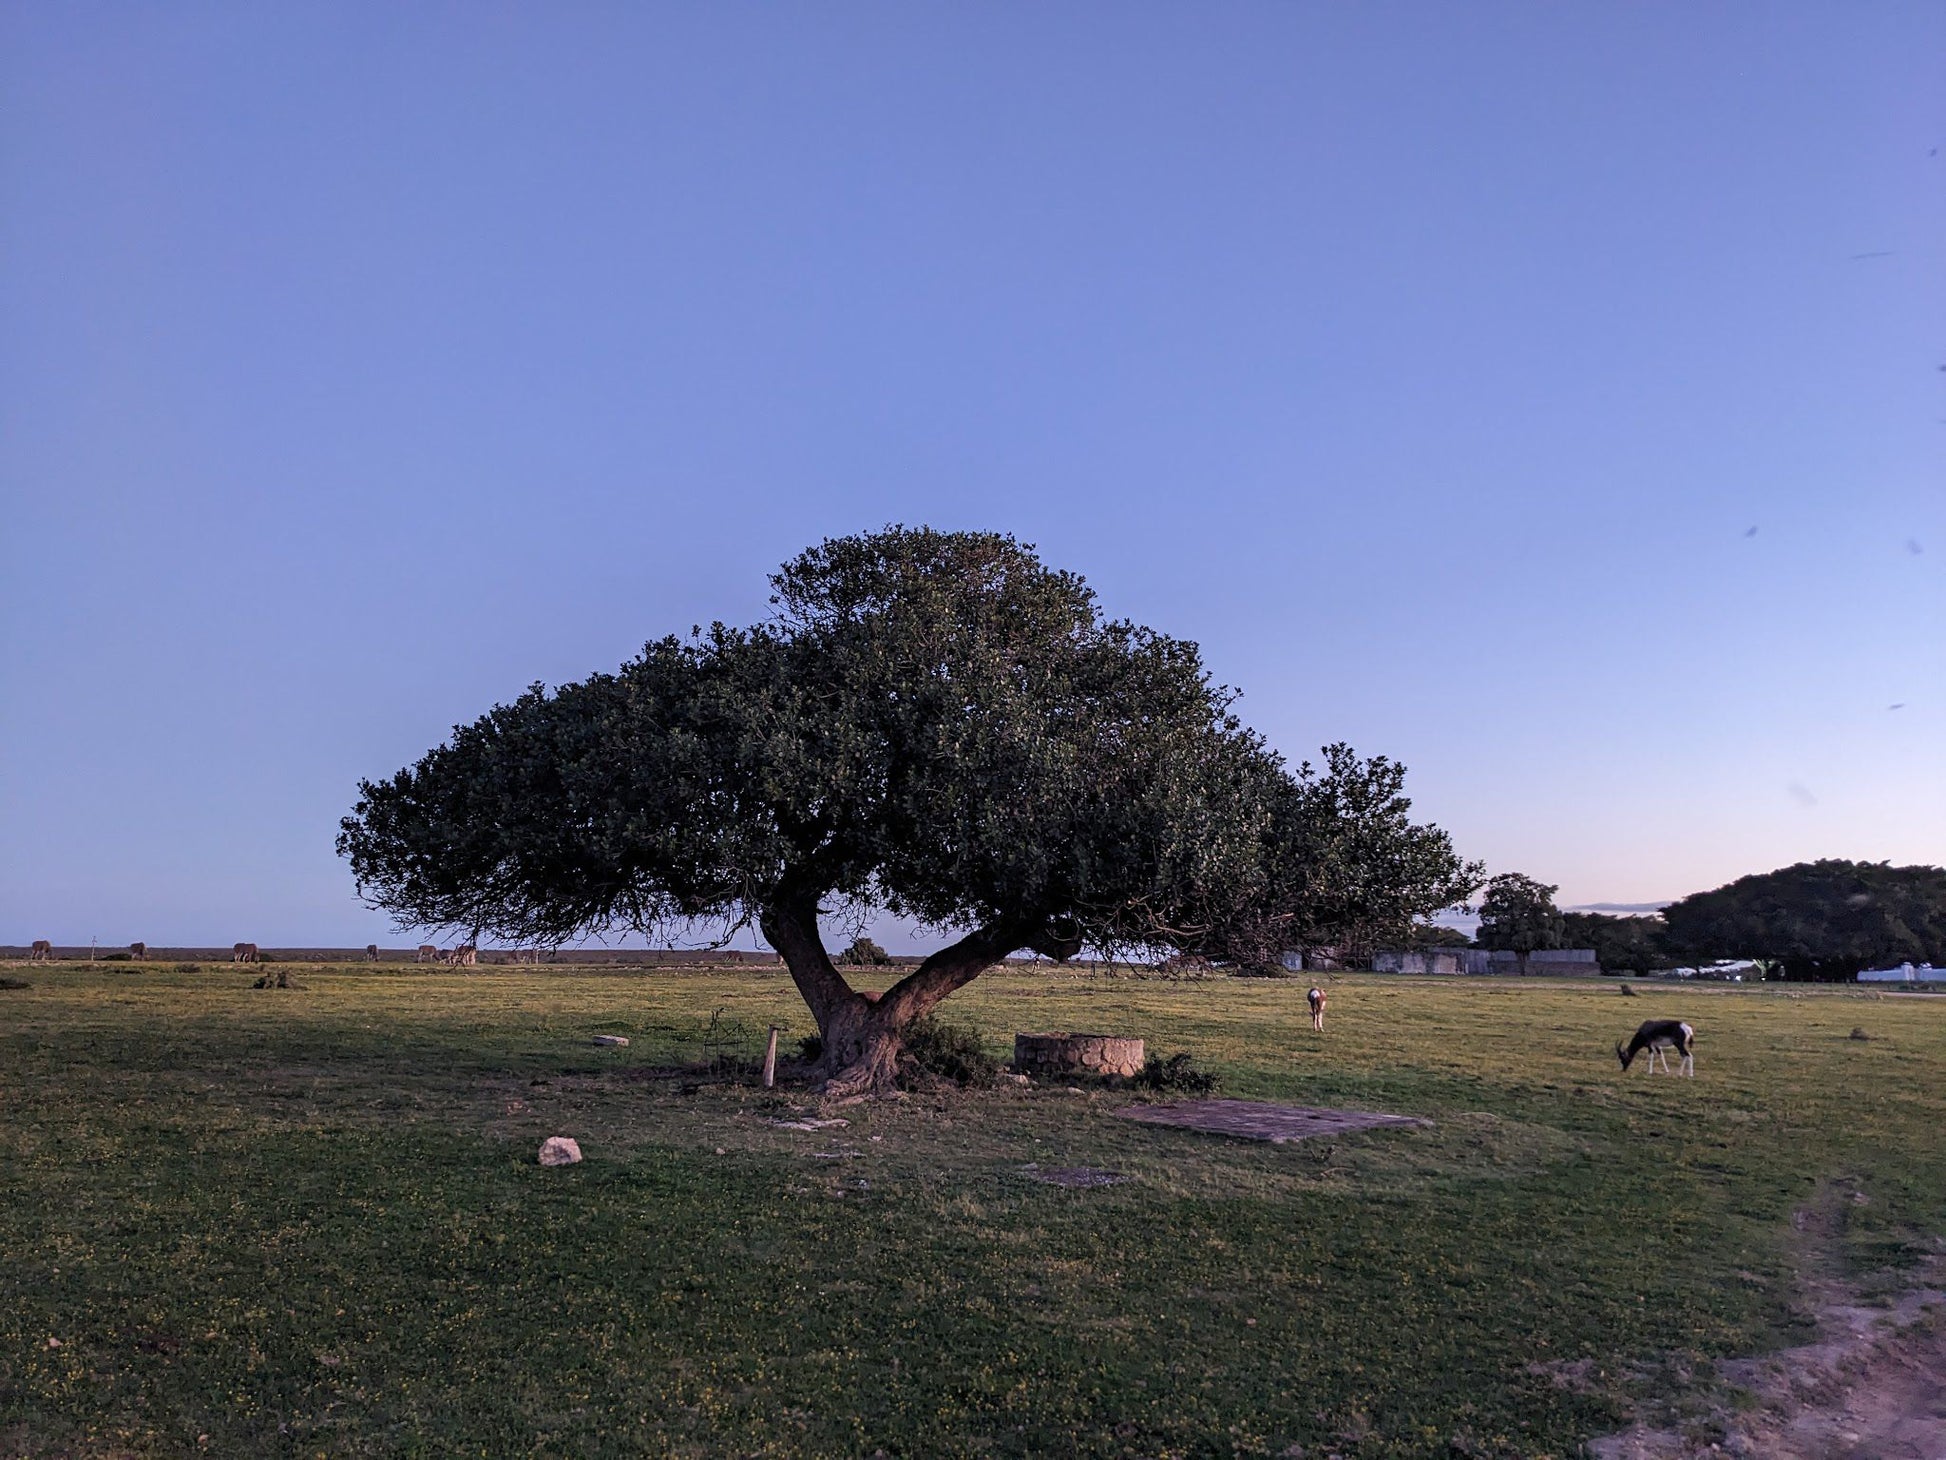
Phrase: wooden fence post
[770,1060]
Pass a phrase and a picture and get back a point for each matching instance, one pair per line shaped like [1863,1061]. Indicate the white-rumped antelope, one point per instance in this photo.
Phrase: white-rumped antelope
[1316,1000]
[1659,1036]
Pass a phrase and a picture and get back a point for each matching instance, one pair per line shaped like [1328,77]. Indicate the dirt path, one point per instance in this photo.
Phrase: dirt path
[1872,1387]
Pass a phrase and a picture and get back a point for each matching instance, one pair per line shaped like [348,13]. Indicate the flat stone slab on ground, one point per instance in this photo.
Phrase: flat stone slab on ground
[1256,1121]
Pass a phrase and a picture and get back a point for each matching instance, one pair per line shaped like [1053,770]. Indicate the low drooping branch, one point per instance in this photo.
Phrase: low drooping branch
[951,968]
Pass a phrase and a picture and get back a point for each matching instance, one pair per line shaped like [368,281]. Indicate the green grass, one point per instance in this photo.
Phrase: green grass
[310,1222]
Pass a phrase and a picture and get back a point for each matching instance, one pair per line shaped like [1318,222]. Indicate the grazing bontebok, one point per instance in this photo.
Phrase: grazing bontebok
[1659,1036]
[1316,1000]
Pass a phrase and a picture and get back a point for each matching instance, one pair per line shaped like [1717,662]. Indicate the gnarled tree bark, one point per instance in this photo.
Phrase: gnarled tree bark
[863,1036]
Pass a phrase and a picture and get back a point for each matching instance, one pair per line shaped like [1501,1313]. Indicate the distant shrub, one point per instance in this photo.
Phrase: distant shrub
[278,980]
[14,983]
[189,968]
[862,953]
[118,958]
[946,1051]
[1177,1072]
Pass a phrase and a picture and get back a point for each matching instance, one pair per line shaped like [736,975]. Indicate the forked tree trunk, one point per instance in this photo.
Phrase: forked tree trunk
[863,1036]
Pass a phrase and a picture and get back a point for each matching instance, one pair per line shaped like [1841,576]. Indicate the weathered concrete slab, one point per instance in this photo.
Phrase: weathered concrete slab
[1255,1121]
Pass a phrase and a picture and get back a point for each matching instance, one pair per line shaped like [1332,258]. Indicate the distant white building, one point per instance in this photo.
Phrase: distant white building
[1555,961]
[1727,970]
[1904,973]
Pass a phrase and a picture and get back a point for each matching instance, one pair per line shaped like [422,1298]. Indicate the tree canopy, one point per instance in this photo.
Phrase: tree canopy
[1518,914]
[1346,868]
[1621,944]
[933,724]
[1821,920]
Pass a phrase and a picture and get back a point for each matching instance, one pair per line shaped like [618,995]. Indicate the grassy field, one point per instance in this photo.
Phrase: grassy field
[309,1221]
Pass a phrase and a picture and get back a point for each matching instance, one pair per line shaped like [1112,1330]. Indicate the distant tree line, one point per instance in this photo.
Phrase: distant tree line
[1821,920]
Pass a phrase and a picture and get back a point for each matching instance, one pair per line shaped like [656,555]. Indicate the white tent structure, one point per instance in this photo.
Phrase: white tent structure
[1904,973]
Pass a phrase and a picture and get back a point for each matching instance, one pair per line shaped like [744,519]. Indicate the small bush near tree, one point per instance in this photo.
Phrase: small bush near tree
[1178,1073]
[942,1050]
[863,953]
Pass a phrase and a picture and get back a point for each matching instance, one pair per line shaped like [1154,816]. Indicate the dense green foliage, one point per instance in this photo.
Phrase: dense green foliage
[1346,867]
[1821,920]
[1621,944]
[933,724]
[311,1223]
[1176,1073]
[939,1049]
[863,953]
[1518,914]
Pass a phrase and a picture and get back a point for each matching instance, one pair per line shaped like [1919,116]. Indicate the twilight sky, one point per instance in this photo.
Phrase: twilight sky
[1551,397]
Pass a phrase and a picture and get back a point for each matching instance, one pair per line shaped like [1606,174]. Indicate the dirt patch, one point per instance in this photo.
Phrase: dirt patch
[1872,1387]
[1254,1121]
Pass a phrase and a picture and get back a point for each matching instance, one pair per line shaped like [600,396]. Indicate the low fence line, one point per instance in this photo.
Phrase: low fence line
[568,957]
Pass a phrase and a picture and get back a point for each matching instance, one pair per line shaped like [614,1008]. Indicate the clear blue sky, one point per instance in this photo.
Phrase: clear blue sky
[1429,364]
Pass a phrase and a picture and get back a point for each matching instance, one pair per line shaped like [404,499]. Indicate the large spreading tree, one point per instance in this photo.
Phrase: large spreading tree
[932,724]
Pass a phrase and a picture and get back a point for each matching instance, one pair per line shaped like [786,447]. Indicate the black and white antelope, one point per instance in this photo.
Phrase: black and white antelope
[1659,1036]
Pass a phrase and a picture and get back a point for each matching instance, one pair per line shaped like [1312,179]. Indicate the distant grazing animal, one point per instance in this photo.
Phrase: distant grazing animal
[1659,1036]
[371,952]
[1316,1000]
[42,951]
[244,953]
[138,950]
[464,956]
[427,954]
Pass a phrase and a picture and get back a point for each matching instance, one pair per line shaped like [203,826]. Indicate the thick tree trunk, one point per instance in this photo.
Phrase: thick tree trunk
[863,1037]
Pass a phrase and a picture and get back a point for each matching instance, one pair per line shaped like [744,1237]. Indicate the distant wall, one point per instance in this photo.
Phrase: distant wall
[609,957]
[1556,962]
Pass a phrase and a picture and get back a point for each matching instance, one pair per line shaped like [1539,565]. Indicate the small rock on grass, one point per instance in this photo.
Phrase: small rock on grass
[611,1039]
[560,1151]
